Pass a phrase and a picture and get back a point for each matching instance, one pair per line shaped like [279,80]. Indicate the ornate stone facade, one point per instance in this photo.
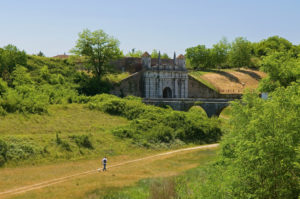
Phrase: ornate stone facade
[164,80]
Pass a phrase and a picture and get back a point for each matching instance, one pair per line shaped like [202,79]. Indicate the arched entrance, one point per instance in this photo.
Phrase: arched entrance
[167,93]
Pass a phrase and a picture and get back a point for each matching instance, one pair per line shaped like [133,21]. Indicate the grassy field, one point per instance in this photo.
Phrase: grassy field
[165,187]
[98,185]
[60,135]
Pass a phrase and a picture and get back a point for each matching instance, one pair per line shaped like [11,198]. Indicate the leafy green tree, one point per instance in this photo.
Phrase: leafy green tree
[261,147]
[220,53]
[165,56]
[200,57]
[282,68]
[10,57]
[154,54]
[41,54]
[98,48]
[240,53]
[20,76]
[259,156]
[271,45]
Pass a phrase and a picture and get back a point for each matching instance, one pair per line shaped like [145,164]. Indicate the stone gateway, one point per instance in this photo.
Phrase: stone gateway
[164,80]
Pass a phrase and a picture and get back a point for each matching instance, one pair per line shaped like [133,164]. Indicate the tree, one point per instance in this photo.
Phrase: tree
[10,57]
[98,48]
[271,45]
[199,57]
[261,148]
[41,54]
[154,54]
[220,53]
[165,56]
[259,155]
[240,53]
[282,68]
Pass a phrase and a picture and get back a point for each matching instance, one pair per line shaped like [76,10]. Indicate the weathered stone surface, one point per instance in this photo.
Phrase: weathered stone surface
[165,80]
[131,85]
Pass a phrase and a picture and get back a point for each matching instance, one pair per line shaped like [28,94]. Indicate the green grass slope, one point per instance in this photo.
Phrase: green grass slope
[68,132]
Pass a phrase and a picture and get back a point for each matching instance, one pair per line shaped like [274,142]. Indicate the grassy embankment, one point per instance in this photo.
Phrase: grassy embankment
[197,75]
[61,135]
[229,81]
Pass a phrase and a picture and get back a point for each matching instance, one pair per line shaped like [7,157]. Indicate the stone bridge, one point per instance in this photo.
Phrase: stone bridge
[212,107]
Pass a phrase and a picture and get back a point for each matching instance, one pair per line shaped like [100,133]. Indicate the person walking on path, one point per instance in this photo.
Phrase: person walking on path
[104,161]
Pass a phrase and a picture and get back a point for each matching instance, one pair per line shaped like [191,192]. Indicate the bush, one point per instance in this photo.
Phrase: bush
[82,141]
[21,149]
[157,125]
[3,151]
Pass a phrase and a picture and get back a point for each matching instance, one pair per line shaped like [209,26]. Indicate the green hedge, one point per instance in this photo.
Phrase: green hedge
[151,125]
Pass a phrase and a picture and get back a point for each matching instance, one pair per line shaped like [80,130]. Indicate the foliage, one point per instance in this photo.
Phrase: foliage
[240,53]
[200,57]
[259,156]
[152,125]
[274,44]
[41,54]
[220,53]
[155,54]
[36,84]
[10,57]
[82,141]
[98,48]
[282,68]
[3,152]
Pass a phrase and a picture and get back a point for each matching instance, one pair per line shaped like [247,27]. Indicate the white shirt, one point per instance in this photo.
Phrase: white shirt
[104,159]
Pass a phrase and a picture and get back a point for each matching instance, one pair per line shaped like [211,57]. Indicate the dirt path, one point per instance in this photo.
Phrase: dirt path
[54,181]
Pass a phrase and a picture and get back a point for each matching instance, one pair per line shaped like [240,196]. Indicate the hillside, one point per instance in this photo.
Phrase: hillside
[67,132]
[230,81]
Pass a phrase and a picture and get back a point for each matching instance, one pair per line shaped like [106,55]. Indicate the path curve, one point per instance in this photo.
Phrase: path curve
[63,179]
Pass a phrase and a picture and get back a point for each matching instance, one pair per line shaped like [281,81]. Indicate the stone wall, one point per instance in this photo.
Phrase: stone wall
[131,85]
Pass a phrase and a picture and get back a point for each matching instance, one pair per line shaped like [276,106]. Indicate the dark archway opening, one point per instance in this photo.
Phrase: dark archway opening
[167,93]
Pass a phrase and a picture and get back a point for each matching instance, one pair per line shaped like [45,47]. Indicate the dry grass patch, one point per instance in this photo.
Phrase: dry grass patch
[231,81]
[123,176]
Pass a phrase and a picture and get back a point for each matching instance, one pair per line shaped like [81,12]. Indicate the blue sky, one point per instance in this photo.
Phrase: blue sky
[166,25]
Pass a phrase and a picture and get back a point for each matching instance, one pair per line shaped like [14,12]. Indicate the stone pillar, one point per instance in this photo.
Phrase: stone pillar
[160,89]
[186,88]
[176,88]
[146,87]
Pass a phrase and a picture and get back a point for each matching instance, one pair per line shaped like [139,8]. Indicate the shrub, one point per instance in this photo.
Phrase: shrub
[82,141]
[3,151]
[21,149]
[157,125]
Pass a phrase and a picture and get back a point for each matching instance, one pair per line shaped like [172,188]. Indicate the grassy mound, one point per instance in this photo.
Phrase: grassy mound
[67,132]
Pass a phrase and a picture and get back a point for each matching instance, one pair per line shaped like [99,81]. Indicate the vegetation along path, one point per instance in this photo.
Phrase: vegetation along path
[122,163]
